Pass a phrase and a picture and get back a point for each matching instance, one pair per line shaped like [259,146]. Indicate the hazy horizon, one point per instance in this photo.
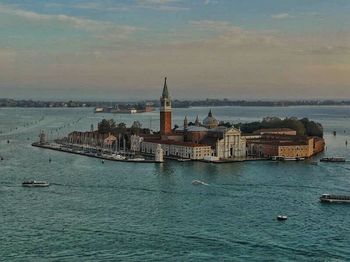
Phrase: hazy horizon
[122,50]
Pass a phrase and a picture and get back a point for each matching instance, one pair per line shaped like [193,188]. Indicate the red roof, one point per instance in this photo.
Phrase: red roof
[177,143]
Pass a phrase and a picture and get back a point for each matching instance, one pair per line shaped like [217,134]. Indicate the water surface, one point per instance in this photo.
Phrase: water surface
[141,212]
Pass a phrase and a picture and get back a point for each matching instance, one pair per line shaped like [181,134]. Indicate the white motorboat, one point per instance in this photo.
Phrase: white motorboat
[118,157]
[34,183]
[282,217]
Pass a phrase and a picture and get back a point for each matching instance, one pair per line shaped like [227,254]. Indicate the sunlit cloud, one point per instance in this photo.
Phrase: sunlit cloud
[121,48]
[282,16]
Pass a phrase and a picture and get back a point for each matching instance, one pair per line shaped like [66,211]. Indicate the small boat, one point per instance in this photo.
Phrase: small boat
[333,159]
[282,217]
[315,163]
[290,159]
[198,183]
[328,198]
[34,183]
[118,157]
[136,159]
[183,159]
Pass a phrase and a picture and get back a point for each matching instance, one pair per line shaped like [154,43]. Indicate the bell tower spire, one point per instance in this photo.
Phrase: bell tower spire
[165,93]
[165,110]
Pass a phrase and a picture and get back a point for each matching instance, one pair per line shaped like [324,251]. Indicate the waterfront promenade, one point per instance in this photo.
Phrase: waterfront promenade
[71,150]
[149,158]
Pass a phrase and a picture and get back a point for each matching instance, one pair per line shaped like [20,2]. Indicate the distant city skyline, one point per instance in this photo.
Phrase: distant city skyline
[123,49]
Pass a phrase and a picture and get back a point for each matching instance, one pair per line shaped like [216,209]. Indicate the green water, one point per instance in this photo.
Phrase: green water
[144,212]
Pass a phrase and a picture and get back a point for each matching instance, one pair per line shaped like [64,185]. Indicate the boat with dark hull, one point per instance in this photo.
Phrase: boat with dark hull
[34,183]
[333,159]
[282,217]
[328,198]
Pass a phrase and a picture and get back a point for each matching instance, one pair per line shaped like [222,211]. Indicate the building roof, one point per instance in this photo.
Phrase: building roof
[210,121]
[278,143]
[265,130]
[197,129]
[177,143]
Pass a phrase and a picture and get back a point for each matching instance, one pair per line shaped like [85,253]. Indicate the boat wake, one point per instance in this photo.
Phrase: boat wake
[199,183]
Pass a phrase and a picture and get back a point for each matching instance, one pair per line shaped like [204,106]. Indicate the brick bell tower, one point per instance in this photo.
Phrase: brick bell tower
[165,111]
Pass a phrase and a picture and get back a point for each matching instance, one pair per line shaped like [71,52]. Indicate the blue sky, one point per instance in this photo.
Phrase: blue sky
[208,48]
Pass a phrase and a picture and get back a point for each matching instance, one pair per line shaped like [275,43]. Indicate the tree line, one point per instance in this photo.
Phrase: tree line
[302,126]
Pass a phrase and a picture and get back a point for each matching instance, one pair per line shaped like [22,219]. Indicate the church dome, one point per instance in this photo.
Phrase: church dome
[210,121]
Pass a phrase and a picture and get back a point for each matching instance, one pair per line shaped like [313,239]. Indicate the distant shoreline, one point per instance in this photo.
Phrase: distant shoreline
[12,103]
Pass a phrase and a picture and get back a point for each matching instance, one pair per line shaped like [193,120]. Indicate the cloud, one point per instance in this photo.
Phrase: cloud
[282,16]
[208,2]
[211,25]
[100,29]
[328,50]
[105,7]
[157,2]
[76,22]
[162,5]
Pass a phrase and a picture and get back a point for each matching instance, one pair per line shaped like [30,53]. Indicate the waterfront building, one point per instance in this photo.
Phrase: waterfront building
[287,146]
[177,149]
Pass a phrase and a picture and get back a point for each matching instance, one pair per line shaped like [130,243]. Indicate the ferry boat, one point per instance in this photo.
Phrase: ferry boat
[34,183]
[333,159]
[328,198]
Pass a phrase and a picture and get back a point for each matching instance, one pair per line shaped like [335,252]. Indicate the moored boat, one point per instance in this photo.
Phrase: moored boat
[118,157]
[333,159]
[137,159]
[34,183]
[290,159]
[328,198]
[183,159]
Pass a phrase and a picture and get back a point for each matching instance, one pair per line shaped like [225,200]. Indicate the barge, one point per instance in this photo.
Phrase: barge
[328,198]
[34,183]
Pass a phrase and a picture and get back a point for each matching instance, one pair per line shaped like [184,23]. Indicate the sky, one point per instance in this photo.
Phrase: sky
[123,49]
